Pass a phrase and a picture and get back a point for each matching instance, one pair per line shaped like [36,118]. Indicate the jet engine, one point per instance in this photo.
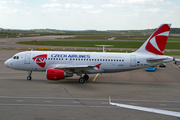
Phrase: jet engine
[57,74]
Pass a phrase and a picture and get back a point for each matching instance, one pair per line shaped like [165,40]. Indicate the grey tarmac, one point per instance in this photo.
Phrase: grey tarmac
[40,99]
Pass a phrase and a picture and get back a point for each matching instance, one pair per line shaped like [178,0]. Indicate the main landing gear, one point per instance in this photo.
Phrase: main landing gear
[84,78]
[29,75]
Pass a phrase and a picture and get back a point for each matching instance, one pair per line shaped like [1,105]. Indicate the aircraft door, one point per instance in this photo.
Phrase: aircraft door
[133,61]
[27,58]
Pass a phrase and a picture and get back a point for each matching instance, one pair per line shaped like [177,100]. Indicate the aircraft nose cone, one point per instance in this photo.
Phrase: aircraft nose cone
[6,63]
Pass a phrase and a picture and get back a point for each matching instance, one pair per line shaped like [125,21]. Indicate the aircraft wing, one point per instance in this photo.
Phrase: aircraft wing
[146,109]
[67,66]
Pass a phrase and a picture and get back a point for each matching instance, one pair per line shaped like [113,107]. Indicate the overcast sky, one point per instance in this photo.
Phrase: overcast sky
[88,14]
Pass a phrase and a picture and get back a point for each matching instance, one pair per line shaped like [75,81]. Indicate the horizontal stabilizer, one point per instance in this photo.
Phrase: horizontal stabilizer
[157,59]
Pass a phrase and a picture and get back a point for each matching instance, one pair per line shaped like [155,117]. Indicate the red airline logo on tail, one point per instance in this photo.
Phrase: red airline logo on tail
[40,60]
[157,41]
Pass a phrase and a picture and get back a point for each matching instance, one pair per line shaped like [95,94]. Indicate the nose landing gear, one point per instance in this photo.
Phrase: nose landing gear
[29,75]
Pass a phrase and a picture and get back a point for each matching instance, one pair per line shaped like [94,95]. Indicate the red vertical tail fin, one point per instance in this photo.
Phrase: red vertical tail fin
[156,43]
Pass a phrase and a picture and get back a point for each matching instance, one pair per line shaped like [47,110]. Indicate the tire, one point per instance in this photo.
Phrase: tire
[86,77]
[29,78]
[81,80]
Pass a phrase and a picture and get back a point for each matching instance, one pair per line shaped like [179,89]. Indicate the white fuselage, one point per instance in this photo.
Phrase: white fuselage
[110,62]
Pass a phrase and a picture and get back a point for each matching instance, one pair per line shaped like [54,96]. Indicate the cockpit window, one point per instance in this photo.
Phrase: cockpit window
[16,57]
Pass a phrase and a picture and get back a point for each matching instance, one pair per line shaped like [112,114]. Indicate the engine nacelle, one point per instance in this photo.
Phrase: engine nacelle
[57,74]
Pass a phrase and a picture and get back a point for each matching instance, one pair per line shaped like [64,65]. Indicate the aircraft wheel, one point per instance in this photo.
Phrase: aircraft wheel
[81,80]
[86,77]
[29,78]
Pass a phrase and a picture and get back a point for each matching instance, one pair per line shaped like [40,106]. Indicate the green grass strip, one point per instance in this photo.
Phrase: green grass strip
[117,44]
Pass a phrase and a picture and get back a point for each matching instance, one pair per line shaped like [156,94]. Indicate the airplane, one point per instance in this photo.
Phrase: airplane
[60,64]
[146,109]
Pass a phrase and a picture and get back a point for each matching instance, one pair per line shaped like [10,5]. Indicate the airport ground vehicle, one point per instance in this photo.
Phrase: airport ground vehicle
[152,68]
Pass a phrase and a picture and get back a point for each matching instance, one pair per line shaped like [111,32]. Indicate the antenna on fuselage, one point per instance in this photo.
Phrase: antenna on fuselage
[104,46]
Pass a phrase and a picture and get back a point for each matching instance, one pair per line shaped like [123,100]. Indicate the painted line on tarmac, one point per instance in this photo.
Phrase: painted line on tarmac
[98,99]
[104,103]
[92,99]
[81,106]
[95,77]
[19,100]
[175,66]
[49,105]
[48,101]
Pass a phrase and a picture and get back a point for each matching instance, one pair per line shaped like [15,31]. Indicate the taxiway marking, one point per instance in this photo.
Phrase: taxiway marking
[95,77]
[48,101]
[162,104]
[19,100]
[175,66]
